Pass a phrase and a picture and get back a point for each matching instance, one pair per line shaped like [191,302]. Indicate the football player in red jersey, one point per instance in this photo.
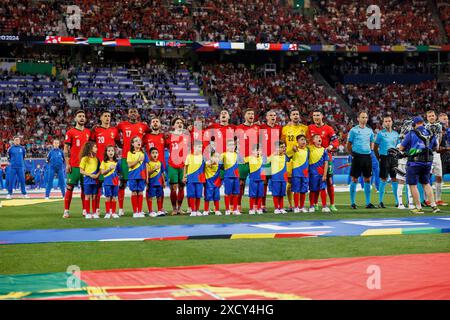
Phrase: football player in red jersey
[178,143]
[247,135]
[155,139]
[103,135]
[217,134]
[75,140]
[127,130]
[330,142]
[270,133]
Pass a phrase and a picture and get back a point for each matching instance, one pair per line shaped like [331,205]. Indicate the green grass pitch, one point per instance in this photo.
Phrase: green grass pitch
[56,257]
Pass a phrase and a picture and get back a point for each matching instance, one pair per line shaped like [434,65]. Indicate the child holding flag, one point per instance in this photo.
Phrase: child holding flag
[318,168]
[278,163]
[156,183]
[256,180]
[231,178]
[109,170]
[194,176]
[300,173]
[213,183]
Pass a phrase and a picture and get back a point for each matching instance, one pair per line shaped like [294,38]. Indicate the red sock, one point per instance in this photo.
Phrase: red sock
[113,203]
[216,205]
[97,199]
[197,204]
[241,192]
[160,203]
[94,206]
[323,196]
[302,200]
[140,199]
[133,203]
[260,201]
[296,199]
[87,206]
[67,199]
[227,203]
[191,203]
[149,204]
[275,202]
[107,206]
[311,198]
[252,203]
[180,196]
[281,202]
[206,205]
[121,196]
[235,202]
[265,196]
[173,198]
[83,197]
[330,190]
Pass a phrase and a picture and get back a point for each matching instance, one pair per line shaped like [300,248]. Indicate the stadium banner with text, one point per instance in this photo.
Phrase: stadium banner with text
[206,46]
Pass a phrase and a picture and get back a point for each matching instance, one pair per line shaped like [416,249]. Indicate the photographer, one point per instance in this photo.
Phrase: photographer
[419,145]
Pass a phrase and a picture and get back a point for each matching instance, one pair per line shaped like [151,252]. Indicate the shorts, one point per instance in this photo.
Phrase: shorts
[175,175]
[387,167]
[111,191]
[361,164]
[123,169]
[256,189]
[231,186]
[419,173]
[90,189]
[136,185]
[316,183]
[278,188]
[244,171]
[212,193]
[436,167]
[194,190]
[155,191]
[300,184]
[74,177]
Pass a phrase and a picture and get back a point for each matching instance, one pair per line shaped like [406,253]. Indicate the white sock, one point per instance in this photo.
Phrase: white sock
[410,197]
[438,191]
[400,194]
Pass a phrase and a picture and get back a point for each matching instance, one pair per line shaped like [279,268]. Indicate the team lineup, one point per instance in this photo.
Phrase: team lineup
[291,160]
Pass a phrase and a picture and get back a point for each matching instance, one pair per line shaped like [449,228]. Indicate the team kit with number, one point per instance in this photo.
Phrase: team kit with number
[291,161]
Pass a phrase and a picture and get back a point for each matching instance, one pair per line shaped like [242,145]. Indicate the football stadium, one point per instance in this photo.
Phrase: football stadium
[224,150]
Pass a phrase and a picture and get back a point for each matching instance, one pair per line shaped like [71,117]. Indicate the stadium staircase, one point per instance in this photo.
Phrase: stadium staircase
[432,6]
[329,90]
[138,83]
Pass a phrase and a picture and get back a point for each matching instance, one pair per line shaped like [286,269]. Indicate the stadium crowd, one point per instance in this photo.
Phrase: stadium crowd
[252,21]
[336,21]
[399,100]
[403,22]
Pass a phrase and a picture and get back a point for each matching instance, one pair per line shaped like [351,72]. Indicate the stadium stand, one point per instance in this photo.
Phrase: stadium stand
[252,21]
[332,21]
[404,22]
[399,100]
